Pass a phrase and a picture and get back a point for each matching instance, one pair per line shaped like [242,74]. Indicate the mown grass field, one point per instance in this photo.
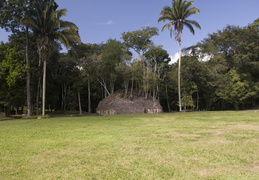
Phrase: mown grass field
[196,145]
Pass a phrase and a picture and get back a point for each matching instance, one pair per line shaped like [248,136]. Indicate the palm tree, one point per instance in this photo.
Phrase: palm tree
[48,28]
[177,16]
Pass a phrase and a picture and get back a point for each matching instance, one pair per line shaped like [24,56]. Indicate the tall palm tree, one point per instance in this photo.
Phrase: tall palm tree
[177,16]
[49,28]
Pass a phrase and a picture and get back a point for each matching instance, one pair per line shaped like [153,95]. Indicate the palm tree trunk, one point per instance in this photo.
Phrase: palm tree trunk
[154,80]
[44,86]
[28,76]
[167,98]
[38,97]
[89,96]
[179,77]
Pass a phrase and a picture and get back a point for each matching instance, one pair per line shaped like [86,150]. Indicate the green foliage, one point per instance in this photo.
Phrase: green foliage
[12,66]
[187,101]
[124,70]
[140,40]
[177,16]
[12,75]
[229,77]
[233,66]
[256,23]
[48,26]
[233,89]
[157,55]
[113,53]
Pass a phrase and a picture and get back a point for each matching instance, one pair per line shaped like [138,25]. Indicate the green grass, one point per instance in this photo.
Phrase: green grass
[197,145]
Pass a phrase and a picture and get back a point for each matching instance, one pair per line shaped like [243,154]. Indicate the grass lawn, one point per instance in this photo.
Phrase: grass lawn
[195,145]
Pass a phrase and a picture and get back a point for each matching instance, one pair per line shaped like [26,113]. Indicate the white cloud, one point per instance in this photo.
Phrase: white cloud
[174,58]
[109,22]
[106,23]
[201,57]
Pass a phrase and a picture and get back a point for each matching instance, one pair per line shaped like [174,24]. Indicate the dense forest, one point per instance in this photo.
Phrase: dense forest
[219,73]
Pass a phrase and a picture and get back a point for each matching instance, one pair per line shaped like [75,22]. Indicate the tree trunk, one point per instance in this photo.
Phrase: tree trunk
[39,90]
[154,81]
[63,97]
[167,99]
[179,77]
[132,86]
[197,103]
[16,110]
[236,106]
[28,76]
[126,86]
[79,103]
[7,111]
[112,87]
[89,97]
[44,86]
[144,76]
[37,98]
[103,83]
[154,94]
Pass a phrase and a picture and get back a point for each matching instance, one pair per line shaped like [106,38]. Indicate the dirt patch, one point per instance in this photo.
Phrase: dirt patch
[155,119]
[214,171]
[203,172]
[220,141]
[216,117]
[255,169]
[71,150]
[176,134]
[214,132]
[216,135]
[253,140]
[249,111]
[246,127]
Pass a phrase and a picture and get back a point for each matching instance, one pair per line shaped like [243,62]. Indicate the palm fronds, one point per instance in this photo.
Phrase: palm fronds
[177,16]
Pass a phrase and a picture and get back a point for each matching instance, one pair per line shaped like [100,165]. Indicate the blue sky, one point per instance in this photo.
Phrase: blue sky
[99,20]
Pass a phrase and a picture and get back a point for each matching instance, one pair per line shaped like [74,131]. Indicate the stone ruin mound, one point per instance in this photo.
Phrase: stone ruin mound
[117,103]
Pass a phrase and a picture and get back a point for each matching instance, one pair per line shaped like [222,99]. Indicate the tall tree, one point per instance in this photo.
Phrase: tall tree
[236,91]
[157,59]
[177,16]
[21,8]
[12,68]
[140,41]
[81,52]
[48,27]
[113,53]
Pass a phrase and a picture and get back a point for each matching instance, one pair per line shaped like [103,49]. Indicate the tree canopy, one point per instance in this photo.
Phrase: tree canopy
[220,72]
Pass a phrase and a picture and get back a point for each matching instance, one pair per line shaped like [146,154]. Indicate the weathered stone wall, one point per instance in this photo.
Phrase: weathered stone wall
[2,114]
[117,104]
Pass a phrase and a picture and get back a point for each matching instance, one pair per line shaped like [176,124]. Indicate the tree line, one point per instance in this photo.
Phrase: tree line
[220,72]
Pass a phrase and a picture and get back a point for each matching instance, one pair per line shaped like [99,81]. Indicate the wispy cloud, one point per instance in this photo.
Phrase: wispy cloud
[110,22]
